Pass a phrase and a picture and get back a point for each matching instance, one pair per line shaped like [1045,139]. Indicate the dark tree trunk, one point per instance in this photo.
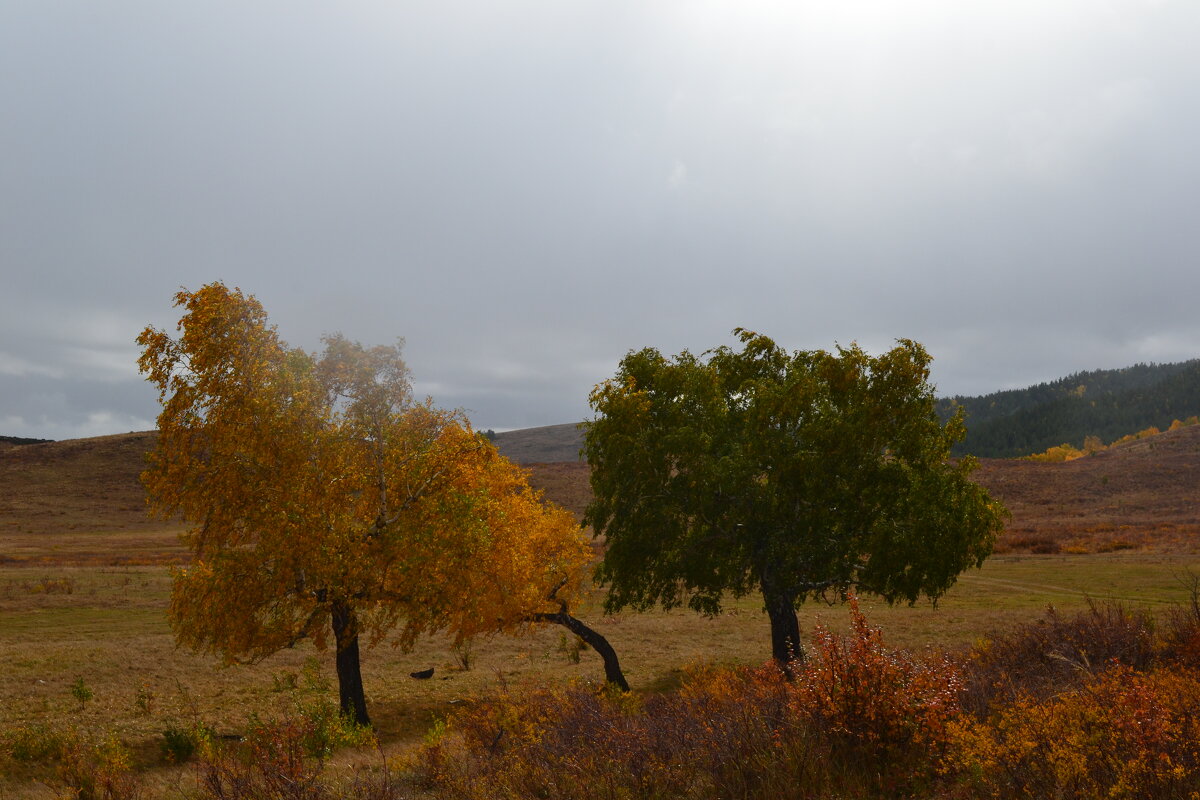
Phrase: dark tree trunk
[350,685]
[612,667]
[785,628]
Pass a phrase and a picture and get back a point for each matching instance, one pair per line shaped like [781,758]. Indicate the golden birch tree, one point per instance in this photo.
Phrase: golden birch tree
[324,503]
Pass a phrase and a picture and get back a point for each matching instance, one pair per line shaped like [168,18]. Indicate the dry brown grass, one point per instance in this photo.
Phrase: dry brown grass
[110,631]
[565,483]
[1143,495]
[80,502]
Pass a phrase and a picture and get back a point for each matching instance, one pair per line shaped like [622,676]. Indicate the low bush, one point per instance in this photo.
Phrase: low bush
[79,765]
[180,743]
[1055,653]
[887,708]
[858,719]
[281,759]
[1180,628]
[33,743]
[1120,734]
[272,764]
[98,771]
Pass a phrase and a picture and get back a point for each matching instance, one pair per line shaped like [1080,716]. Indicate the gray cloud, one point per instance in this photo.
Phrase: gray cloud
[526,191]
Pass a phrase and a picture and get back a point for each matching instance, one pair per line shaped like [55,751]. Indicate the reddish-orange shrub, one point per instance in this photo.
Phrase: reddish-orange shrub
[857,720]
[888,706]
[283,759]
[273,763]
[1180,629]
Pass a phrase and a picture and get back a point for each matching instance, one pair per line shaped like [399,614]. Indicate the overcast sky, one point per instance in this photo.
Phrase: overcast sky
[525,191]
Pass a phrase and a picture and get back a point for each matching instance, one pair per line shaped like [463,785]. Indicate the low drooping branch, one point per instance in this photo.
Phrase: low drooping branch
[594,639]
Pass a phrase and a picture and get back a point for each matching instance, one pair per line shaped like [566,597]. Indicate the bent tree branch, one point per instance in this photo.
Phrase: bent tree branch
[594,639]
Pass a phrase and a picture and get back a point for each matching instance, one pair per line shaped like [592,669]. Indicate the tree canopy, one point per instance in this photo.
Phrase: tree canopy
[323,501]
[792,474]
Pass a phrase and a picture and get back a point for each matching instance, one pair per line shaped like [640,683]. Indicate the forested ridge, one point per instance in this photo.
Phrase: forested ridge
[1107,404]
[21,440]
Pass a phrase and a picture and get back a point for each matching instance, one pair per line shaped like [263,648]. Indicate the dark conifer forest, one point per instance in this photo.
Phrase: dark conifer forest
[1107,404]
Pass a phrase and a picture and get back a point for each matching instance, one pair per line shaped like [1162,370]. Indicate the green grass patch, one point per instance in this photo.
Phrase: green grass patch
[90,624]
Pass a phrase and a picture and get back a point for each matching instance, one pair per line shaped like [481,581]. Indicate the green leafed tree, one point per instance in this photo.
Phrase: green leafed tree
[325,504]
[795,475]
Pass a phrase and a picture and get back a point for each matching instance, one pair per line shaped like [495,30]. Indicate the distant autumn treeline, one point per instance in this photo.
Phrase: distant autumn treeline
[1092,444]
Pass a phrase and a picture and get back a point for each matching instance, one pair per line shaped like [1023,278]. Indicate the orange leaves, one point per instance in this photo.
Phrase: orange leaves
[1121,734]
[311,480]
[869,696]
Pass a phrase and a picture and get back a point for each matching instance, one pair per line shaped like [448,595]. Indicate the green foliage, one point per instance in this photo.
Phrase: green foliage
[796,474]
[329,729]
[326,728]
[32,743]
[179,744]
[81,692]
[1107,404]
[144,699]
[572,647]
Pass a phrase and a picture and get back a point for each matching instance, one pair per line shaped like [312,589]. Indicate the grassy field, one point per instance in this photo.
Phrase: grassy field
[105,626]
[84,584]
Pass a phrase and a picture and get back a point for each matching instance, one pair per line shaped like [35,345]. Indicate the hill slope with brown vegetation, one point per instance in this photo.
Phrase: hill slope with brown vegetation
[547,444]
[84,494]
[1140,495]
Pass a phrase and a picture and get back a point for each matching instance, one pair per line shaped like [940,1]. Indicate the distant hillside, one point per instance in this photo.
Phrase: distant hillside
[548,444]
[1104,403]
[1141,494]
[19,441]
[81,499]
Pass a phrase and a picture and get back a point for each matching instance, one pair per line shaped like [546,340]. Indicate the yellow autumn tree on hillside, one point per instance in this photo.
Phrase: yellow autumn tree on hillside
[324,503]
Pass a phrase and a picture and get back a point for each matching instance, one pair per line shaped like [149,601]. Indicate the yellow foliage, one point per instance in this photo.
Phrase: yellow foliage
[1123,734]
[314,485]
[1133,437]
[1059,454]
[1093,444]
